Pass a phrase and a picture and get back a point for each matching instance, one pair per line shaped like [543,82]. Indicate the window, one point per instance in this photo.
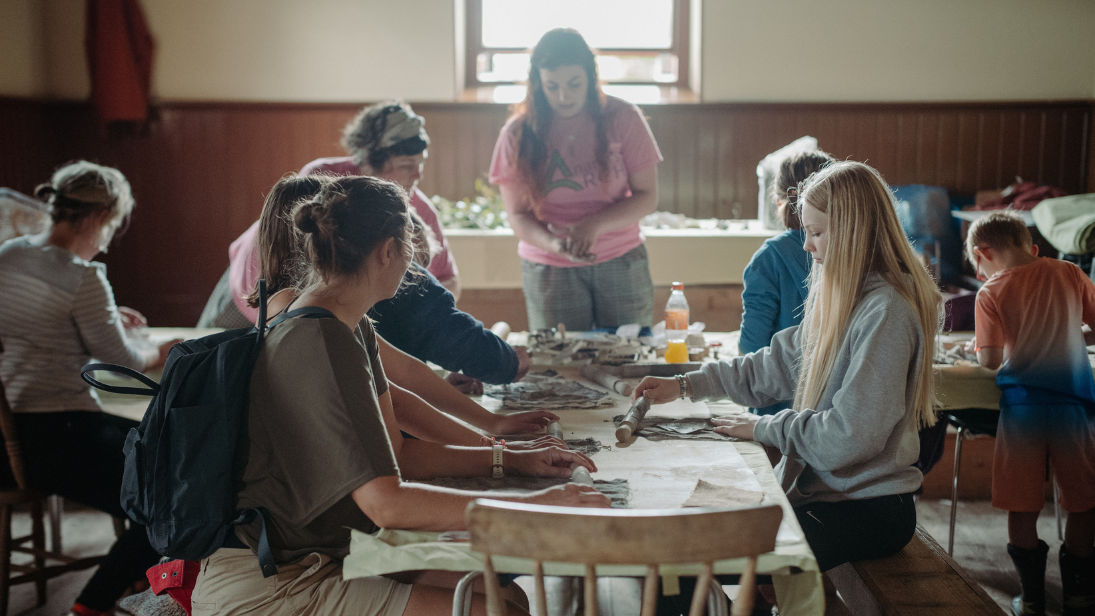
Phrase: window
[638,41]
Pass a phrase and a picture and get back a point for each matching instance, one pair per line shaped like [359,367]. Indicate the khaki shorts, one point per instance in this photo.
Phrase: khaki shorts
[231,583]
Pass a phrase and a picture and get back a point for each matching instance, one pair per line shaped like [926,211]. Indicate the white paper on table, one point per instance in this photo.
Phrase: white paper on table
[654,486]
[680,409]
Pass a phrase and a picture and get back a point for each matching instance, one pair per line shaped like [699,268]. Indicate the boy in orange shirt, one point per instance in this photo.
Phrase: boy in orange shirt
[1029,317]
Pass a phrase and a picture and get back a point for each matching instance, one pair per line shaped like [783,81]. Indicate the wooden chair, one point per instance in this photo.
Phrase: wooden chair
[11,497]
[623,537]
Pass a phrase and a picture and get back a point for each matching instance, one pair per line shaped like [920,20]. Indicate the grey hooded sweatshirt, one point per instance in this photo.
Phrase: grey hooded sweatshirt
[861,441]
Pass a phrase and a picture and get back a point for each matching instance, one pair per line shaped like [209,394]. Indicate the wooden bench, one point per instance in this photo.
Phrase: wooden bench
[919,580]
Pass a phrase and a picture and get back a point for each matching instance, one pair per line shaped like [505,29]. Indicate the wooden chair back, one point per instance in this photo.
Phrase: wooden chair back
[11,437]
[648,537]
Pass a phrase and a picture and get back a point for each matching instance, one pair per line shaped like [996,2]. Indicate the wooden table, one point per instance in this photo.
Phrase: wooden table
[133,407]
[660,474]
[956,387]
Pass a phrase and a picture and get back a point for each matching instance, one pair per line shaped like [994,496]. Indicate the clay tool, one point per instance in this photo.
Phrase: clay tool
[554,429]
[632,419]
[580,475]
[501,329]
[606,380]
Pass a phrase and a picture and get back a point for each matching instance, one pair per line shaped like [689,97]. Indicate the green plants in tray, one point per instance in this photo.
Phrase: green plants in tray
[483,211]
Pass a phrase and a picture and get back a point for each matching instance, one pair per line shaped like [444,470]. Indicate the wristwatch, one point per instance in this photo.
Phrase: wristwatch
[496,457]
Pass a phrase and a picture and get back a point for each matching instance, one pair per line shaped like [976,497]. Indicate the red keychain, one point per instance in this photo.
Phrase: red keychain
[176,578]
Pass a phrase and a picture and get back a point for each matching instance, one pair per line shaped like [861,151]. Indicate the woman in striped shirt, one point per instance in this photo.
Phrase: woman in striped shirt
[57,311]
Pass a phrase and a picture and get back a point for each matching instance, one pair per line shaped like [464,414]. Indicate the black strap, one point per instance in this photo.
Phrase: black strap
[153,386]
[308,312]
[262,314]
[265,554]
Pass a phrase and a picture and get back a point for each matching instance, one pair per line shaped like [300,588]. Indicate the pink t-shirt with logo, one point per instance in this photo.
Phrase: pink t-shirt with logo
[574,189]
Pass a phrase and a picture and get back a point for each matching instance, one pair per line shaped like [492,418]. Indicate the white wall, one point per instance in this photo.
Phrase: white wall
[22,49]
[274,50]
[891,50]
[319,50]
[771,50]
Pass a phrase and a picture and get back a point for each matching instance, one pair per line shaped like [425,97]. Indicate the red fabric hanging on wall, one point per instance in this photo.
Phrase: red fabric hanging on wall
[119,57]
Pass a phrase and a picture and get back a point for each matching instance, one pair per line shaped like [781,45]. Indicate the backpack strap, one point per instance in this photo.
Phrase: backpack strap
[308,312]
[265,554]
[151,390]
[262,314]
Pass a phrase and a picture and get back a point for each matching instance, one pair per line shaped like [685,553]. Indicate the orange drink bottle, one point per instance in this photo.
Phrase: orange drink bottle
[676,326]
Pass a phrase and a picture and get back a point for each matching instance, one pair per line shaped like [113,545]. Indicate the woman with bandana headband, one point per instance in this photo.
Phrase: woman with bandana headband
[388,140]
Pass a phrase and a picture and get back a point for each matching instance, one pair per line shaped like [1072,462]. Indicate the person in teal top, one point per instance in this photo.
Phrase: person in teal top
[776,277]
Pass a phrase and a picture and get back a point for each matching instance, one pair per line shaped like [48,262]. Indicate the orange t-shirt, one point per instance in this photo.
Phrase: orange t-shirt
[1034,312]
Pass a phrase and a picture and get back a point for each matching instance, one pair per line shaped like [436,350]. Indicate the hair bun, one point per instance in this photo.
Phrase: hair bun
[306,217]
[45,191]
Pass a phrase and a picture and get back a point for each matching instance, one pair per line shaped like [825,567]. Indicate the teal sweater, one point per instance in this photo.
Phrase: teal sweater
[775,291]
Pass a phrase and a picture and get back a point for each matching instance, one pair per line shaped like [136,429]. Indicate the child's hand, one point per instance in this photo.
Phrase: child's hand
[657,390]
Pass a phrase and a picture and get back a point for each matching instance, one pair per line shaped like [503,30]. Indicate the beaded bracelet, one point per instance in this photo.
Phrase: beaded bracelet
[680,381]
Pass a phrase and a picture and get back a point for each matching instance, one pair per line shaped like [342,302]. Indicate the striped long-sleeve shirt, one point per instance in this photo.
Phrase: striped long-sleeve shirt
[57,311]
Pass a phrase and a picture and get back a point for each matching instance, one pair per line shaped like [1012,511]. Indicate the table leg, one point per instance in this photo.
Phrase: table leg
[954,486]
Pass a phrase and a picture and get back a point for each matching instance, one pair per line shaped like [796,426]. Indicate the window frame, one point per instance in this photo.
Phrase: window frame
[473,41]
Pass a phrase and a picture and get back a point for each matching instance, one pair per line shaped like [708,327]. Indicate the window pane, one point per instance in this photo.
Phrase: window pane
[624,24]
[499,67]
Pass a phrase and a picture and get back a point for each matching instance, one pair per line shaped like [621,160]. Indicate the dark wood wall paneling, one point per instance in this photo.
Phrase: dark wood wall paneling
[200,170]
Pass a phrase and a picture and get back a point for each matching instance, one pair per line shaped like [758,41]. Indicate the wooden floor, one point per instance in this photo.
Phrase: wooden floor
[980,547]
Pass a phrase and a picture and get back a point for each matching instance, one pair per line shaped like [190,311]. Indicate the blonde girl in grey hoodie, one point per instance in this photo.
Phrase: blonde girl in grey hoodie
[859,369]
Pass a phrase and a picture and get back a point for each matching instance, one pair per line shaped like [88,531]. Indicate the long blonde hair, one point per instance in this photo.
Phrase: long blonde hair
[864,237]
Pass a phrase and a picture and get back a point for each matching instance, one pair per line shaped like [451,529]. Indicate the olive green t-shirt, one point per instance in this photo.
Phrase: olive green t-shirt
[315,435]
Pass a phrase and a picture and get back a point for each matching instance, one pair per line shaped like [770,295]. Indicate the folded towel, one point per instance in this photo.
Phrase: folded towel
[148,604]
[1068,223]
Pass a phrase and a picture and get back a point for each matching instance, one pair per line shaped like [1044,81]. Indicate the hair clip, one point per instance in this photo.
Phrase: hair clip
[792,196]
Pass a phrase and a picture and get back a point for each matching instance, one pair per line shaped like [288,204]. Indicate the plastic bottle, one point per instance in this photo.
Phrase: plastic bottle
[676,326]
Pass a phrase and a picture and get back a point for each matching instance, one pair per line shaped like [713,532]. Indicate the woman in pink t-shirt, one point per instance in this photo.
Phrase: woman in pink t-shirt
[577,171]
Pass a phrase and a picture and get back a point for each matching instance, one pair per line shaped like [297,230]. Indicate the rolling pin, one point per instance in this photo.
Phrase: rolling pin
[606,380]
[501,329]
[580,475]
[554,429]
[632,419]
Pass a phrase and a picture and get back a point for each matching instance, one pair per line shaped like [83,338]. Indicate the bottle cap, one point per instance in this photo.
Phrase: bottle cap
[678,286]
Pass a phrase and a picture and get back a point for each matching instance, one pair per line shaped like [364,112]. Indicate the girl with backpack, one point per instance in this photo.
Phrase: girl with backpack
[325,453]
[415,388]
[859,369]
